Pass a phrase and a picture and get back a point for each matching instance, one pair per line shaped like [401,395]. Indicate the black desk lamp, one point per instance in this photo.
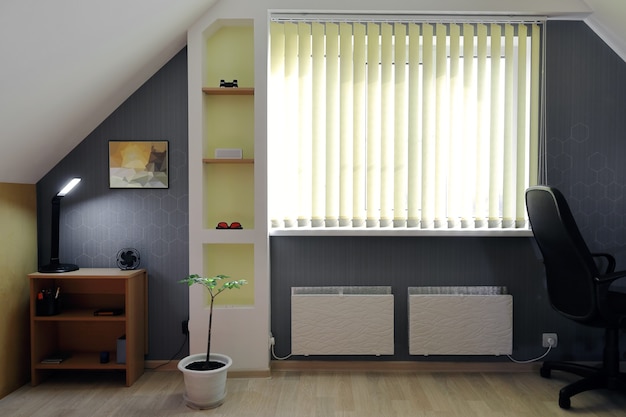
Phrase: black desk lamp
[55,265]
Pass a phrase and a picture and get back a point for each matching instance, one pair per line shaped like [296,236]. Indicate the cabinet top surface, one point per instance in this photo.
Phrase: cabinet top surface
[90,273]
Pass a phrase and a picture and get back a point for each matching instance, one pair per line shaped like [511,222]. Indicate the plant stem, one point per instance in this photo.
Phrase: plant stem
[208,347]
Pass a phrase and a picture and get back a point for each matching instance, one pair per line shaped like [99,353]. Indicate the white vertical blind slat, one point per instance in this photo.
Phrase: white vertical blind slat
[386,126]
[428,128]
[509,131]
[346,124]
[332,124]
[305,127]
[414,150]
[523,140]
[442,125]
[470,126]
[400,129]
[455,155]
[373,126]
[483,150]
[535,106]
[274,113]
[291,100]
[318,127]
[359,120]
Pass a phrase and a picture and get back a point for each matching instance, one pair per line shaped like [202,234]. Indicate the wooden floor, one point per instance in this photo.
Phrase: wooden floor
[315,394]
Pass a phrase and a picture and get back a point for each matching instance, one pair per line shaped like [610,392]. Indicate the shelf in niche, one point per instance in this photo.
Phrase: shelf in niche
[226,236]
[228,161]
[220,91]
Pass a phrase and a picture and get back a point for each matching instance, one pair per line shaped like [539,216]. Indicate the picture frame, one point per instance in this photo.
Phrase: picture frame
[138,164]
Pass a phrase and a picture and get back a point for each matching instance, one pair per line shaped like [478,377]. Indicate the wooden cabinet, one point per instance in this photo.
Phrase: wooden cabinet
[65,325]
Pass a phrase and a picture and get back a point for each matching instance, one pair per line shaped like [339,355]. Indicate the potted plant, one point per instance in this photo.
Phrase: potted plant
[205,373]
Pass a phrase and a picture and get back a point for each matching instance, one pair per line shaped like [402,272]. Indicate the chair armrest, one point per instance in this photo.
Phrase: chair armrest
[611,260]
[603,283]
[607,279]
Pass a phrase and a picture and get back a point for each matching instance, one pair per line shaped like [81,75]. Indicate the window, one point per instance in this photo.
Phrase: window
[380,124]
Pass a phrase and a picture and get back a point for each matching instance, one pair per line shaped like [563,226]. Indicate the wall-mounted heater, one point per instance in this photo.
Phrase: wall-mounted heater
[342,320]
[460,321]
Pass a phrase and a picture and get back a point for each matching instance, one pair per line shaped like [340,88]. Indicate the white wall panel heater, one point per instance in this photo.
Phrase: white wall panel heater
[460,321]
[353,320]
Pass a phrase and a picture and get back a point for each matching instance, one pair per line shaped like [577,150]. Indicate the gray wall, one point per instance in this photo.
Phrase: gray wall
[586,95]
[412,261]
[96,222]
[586,103]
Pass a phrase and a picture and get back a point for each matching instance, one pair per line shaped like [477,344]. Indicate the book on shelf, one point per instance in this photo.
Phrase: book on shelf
[108,312]
[56,357]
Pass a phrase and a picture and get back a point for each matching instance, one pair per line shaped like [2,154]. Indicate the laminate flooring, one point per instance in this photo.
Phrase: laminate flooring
[314,394]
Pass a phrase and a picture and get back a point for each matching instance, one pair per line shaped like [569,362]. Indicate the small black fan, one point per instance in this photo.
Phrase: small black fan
[128,258]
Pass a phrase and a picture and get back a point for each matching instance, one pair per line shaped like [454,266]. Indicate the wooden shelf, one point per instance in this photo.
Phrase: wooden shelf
[80,315]
[84,360]
[220,91]
[228,161]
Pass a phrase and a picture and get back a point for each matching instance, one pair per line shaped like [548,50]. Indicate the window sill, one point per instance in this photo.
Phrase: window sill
[400,232]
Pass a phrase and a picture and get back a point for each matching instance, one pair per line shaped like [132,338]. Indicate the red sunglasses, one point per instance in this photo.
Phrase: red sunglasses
[233,225]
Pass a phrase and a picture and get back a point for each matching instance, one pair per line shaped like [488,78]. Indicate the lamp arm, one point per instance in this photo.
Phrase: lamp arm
[54,232]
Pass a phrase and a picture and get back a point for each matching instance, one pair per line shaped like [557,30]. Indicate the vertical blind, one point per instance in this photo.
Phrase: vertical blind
[402,124]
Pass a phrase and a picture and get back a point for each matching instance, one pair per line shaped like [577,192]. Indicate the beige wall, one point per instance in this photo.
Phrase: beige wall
[18,257]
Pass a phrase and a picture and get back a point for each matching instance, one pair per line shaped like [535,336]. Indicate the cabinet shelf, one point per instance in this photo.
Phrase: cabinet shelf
[80,315]
[219,91]
[85,361]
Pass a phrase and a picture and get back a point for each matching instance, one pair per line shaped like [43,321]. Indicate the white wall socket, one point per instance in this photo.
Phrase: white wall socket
[550,340]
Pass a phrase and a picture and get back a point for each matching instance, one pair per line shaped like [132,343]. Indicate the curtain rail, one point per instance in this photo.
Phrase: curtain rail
[402,18]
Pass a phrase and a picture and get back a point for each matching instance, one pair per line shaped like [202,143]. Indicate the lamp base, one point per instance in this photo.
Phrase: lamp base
[57,268]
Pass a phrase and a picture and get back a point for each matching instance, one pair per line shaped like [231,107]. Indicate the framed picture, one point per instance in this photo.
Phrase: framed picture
[138,164]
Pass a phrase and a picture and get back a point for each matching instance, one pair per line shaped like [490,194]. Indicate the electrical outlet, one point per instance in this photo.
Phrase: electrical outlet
[550,340]
[185,327]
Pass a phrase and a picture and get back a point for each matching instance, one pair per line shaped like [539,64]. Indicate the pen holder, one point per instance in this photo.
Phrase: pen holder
[48,306]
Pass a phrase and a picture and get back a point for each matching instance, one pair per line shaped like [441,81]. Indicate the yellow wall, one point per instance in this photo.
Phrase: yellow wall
[18,257]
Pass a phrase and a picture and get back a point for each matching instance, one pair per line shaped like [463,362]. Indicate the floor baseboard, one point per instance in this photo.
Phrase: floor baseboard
[401,366]
[363,366]
[368,366]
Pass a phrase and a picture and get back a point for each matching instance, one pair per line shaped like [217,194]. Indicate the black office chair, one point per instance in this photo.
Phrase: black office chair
[577,289]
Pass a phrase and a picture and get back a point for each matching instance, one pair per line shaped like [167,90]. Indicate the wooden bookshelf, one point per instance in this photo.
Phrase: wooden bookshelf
[72,328]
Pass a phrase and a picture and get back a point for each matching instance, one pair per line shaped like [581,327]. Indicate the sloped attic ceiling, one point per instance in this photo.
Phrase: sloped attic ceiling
[68,64]
[65,65]
[607,20]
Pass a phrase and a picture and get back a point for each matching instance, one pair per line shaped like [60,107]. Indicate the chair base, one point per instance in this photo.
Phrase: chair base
[593,378]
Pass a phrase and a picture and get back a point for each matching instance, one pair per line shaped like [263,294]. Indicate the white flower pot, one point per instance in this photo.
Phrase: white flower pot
[205,389]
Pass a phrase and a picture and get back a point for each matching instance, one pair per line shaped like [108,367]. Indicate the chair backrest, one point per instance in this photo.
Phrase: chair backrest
[570,267]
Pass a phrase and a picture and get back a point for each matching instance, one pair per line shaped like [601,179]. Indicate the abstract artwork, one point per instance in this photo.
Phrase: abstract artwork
[138,164]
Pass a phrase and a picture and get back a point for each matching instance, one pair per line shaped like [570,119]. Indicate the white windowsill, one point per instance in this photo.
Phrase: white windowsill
[345,231]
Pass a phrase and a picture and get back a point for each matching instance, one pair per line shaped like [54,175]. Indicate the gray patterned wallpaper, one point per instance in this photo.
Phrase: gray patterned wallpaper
[586,130]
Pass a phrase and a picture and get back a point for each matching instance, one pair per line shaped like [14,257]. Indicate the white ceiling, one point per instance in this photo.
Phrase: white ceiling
[68,64]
